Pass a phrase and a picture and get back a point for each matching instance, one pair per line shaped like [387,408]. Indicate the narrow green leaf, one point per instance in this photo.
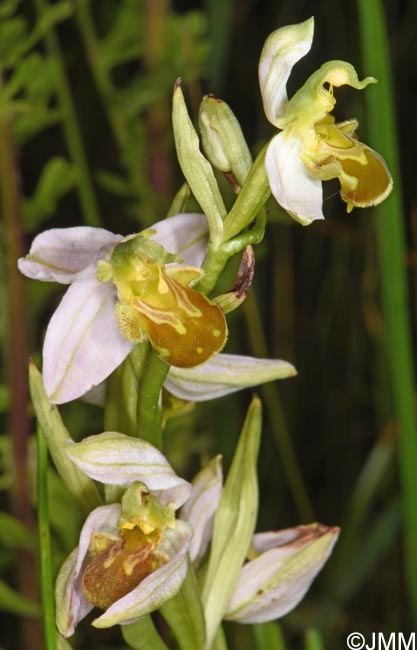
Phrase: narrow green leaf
[47,585]
[389,223]
[184,614]
[82,488]
[234,522]
[142,635]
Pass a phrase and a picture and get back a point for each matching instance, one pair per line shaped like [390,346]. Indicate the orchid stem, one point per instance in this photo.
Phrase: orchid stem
[149,414]
[252,197]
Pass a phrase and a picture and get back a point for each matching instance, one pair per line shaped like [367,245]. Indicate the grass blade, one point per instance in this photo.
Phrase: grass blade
[391,239]
[47,585]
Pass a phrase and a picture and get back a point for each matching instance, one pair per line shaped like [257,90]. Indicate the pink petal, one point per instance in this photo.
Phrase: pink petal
[83,343]
[185,234]
[67,254]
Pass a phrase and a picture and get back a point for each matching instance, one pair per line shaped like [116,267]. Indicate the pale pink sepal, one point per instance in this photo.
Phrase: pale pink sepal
[295,190]
[67,254]
[185,234]
[160,586]
[224,374]
[116,459]
[71,604]
[83,343]
[282,49]
[273,583]
[201,506]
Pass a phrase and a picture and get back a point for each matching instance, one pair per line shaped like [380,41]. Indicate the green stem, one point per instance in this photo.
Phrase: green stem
[394,289]
[216,258]
[252,197]
[280,431]
[149,415]
[47,584]
[71,129]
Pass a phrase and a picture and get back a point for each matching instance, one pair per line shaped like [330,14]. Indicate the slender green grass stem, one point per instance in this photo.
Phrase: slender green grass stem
[279,428]
[47,585]
[394,289]
[71,129]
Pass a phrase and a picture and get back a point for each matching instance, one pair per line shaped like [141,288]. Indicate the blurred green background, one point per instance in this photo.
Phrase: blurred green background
[86,138]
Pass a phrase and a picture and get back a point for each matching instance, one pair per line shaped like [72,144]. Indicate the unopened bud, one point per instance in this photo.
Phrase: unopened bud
[223,139]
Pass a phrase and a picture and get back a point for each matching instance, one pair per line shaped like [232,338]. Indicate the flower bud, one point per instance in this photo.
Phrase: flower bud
[223,139]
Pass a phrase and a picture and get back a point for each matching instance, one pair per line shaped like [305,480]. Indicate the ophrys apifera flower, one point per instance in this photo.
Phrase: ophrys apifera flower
[122,291]
[311,146]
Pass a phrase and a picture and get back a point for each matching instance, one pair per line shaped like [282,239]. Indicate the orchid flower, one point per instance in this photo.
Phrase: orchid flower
[312,147]
[284,565]
[124,289]
[131,556]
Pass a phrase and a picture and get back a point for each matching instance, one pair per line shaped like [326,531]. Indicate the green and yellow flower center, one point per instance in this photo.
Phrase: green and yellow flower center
[116,564]
[334,152]
[331,150]
[157,302]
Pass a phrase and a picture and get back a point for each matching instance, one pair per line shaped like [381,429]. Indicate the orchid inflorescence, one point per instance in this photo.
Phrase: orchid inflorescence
[148,291]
